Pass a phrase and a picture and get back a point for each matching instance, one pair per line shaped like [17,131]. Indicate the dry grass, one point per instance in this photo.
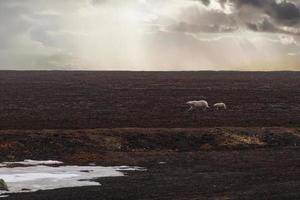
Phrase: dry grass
[89,144]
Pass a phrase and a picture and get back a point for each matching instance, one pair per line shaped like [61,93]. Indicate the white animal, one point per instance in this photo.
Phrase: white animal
[202,104]
[218,106]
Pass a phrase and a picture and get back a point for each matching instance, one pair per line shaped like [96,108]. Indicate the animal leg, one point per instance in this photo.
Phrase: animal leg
[190,109]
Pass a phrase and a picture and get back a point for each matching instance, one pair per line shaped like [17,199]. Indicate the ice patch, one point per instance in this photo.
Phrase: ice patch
[32,162]
[38,176]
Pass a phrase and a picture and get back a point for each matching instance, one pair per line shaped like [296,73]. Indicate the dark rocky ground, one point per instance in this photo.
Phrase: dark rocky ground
[252,174]
[202,163]
[251,151]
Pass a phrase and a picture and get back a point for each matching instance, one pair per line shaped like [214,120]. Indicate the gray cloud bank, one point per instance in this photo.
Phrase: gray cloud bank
[255,15]
[150,34]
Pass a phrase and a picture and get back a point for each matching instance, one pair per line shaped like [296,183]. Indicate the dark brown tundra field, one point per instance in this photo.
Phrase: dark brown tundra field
[78,100]
[250,151]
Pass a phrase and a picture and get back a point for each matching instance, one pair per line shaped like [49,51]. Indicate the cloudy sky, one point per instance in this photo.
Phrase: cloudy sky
[150,34]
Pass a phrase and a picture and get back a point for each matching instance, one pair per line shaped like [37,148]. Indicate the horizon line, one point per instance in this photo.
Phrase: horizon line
[91,70]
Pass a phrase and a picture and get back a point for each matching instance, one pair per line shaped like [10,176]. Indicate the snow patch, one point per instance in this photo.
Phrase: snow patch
[37,176]
[32,162]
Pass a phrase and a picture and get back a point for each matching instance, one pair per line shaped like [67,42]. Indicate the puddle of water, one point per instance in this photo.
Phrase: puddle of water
[39,175]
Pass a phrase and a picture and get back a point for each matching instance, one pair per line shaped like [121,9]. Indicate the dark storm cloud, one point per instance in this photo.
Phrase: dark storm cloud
[256,15]
[266,26]
[285,13]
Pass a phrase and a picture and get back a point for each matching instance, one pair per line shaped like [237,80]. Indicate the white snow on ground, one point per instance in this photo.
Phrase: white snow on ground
[38,176]
[32,162]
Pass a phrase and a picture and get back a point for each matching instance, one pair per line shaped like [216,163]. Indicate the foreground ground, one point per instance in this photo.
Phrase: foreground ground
[260,175]
[63,116]
[203,163]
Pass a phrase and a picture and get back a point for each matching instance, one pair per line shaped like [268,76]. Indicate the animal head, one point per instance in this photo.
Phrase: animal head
[189,102]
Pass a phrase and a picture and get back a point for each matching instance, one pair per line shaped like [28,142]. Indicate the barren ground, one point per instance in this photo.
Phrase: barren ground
[251,151]
[81,100]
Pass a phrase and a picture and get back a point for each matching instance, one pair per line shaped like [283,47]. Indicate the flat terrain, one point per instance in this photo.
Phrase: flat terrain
[251,151]
[80,100]
[234,175]
[182,164]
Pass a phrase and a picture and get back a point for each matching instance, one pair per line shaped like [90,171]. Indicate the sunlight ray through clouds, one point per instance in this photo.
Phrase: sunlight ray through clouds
[150,35]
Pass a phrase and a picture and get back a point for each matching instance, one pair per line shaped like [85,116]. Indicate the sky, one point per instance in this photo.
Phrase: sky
[150,35]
